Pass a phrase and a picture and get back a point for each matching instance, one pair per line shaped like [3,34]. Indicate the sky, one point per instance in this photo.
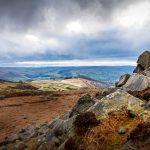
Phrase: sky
[73,32]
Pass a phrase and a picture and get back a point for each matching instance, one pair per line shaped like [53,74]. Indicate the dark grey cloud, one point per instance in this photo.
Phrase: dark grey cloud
[19,13]
[106,5]
[60,29]
[27,13]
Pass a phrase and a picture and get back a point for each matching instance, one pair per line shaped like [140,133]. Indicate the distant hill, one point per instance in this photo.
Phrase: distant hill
[107,75]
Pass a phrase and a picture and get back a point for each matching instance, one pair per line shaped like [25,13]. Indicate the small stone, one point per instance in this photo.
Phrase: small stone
[122,130]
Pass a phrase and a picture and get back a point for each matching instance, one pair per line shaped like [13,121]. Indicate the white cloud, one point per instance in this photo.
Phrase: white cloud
[78,63]
[32,38]
[74,27]
[135,16]
[28,43]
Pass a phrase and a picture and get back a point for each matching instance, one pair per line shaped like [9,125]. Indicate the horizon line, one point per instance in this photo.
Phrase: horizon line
[71,63]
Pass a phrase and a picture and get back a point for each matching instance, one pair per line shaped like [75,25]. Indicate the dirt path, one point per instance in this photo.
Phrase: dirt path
[17,112]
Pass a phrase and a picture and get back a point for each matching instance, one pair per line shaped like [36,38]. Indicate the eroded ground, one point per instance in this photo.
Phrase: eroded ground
[18,112]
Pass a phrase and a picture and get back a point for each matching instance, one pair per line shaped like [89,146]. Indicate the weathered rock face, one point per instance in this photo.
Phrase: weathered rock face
[123,79]
[143,62]
[146,72]
[140,79]
[145,94]
[84,103]
[144,59]
[138,69]
[137,82]
[62,126]
[115,102]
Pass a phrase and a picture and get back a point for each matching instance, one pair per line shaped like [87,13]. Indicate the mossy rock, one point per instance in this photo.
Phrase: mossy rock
[117,101]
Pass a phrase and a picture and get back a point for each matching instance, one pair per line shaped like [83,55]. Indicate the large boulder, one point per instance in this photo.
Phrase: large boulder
[116,102]
[123,79]
[143,62]
[137,82]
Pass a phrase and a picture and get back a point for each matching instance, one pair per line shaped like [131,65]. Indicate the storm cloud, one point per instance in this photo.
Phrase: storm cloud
[45,30]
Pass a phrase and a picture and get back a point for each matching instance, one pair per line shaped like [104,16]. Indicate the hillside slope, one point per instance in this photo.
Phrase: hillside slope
[109,119]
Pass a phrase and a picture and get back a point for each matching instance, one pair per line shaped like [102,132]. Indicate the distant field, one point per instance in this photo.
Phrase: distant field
[66,84]
[38,87]
[57,87]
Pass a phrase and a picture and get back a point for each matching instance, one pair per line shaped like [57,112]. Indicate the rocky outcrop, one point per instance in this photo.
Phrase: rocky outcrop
[115,102]
[140,79]
[85,113]
[105,92]
[123,79]
[137,82]
[144,59]
[84,103]
[143,62]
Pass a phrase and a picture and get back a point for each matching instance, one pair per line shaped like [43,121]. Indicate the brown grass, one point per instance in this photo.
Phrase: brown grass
[84,121]
[140,136]
[71,144]
[141,132]
[105,135]
[18,112]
